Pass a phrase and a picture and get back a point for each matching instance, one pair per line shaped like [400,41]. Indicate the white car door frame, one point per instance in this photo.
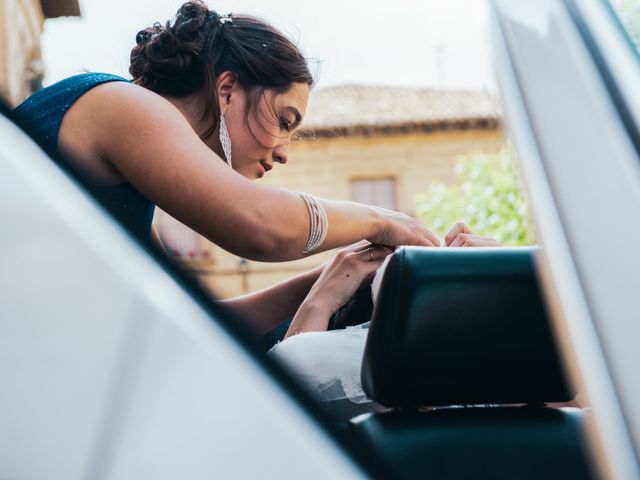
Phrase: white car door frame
[580,162]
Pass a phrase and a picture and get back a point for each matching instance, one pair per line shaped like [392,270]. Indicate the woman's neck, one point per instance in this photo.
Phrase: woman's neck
[192,111]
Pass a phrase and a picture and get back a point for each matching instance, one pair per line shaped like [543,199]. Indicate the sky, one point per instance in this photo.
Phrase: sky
[427,43]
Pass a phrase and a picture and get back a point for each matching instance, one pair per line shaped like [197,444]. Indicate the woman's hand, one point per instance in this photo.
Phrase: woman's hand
[350,268]
[461,236]
[401,229]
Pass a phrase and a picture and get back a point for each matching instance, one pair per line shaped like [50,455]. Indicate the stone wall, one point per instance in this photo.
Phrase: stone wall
[21,23]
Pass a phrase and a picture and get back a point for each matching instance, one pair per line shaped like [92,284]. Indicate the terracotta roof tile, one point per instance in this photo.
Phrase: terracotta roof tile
[349,108]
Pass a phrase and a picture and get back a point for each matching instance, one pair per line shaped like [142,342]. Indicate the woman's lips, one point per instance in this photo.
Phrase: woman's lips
[265,166]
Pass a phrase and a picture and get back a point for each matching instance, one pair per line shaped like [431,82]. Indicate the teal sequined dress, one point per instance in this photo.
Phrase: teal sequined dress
[44,111]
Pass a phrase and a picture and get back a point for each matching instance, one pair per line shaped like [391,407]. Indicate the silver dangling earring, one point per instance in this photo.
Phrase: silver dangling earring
[225,139]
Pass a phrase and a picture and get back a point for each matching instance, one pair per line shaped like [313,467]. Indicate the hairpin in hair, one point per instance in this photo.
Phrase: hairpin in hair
[226,18]
[218,20]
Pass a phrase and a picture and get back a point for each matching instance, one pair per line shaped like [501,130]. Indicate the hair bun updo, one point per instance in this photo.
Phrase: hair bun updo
[167,59]
[186,56]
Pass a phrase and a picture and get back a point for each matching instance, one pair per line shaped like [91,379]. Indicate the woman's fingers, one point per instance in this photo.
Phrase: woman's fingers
[472,240]
[423,236]
[359,265]
[430,238]
[365,245]
[486,242]
[401,229]
[360,246]
[458,240]
[418,235]
[461,235]
[456,230]
[377,253]
[371,260]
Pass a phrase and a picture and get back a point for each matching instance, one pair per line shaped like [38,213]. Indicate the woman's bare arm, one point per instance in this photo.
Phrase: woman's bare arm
[266,309]
[155,148]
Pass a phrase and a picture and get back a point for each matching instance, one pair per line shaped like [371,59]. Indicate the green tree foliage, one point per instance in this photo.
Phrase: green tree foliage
[629,11]
[488,198]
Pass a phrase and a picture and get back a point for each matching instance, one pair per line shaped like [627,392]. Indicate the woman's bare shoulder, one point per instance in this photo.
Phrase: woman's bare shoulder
[124,102]
[113,121]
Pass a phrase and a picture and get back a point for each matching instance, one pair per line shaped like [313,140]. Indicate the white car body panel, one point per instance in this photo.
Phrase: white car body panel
[109,369]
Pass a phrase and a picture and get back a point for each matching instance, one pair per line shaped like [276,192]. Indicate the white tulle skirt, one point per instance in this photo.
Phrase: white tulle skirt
[328,363]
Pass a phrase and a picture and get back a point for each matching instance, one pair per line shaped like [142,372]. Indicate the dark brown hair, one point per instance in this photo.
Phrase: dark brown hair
[186,56]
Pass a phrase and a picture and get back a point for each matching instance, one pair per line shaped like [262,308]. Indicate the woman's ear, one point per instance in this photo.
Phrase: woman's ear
[226,83]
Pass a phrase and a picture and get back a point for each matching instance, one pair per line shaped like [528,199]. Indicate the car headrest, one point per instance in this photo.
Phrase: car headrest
[461,326]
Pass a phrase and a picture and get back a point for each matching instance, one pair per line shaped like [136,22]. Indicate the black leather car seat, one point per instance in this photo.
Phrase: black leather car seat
[465,332]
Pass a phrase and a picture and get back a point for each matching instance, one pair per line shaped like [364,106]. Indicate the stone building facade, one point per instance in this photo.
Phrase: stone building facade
[377,145]
[21,23]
